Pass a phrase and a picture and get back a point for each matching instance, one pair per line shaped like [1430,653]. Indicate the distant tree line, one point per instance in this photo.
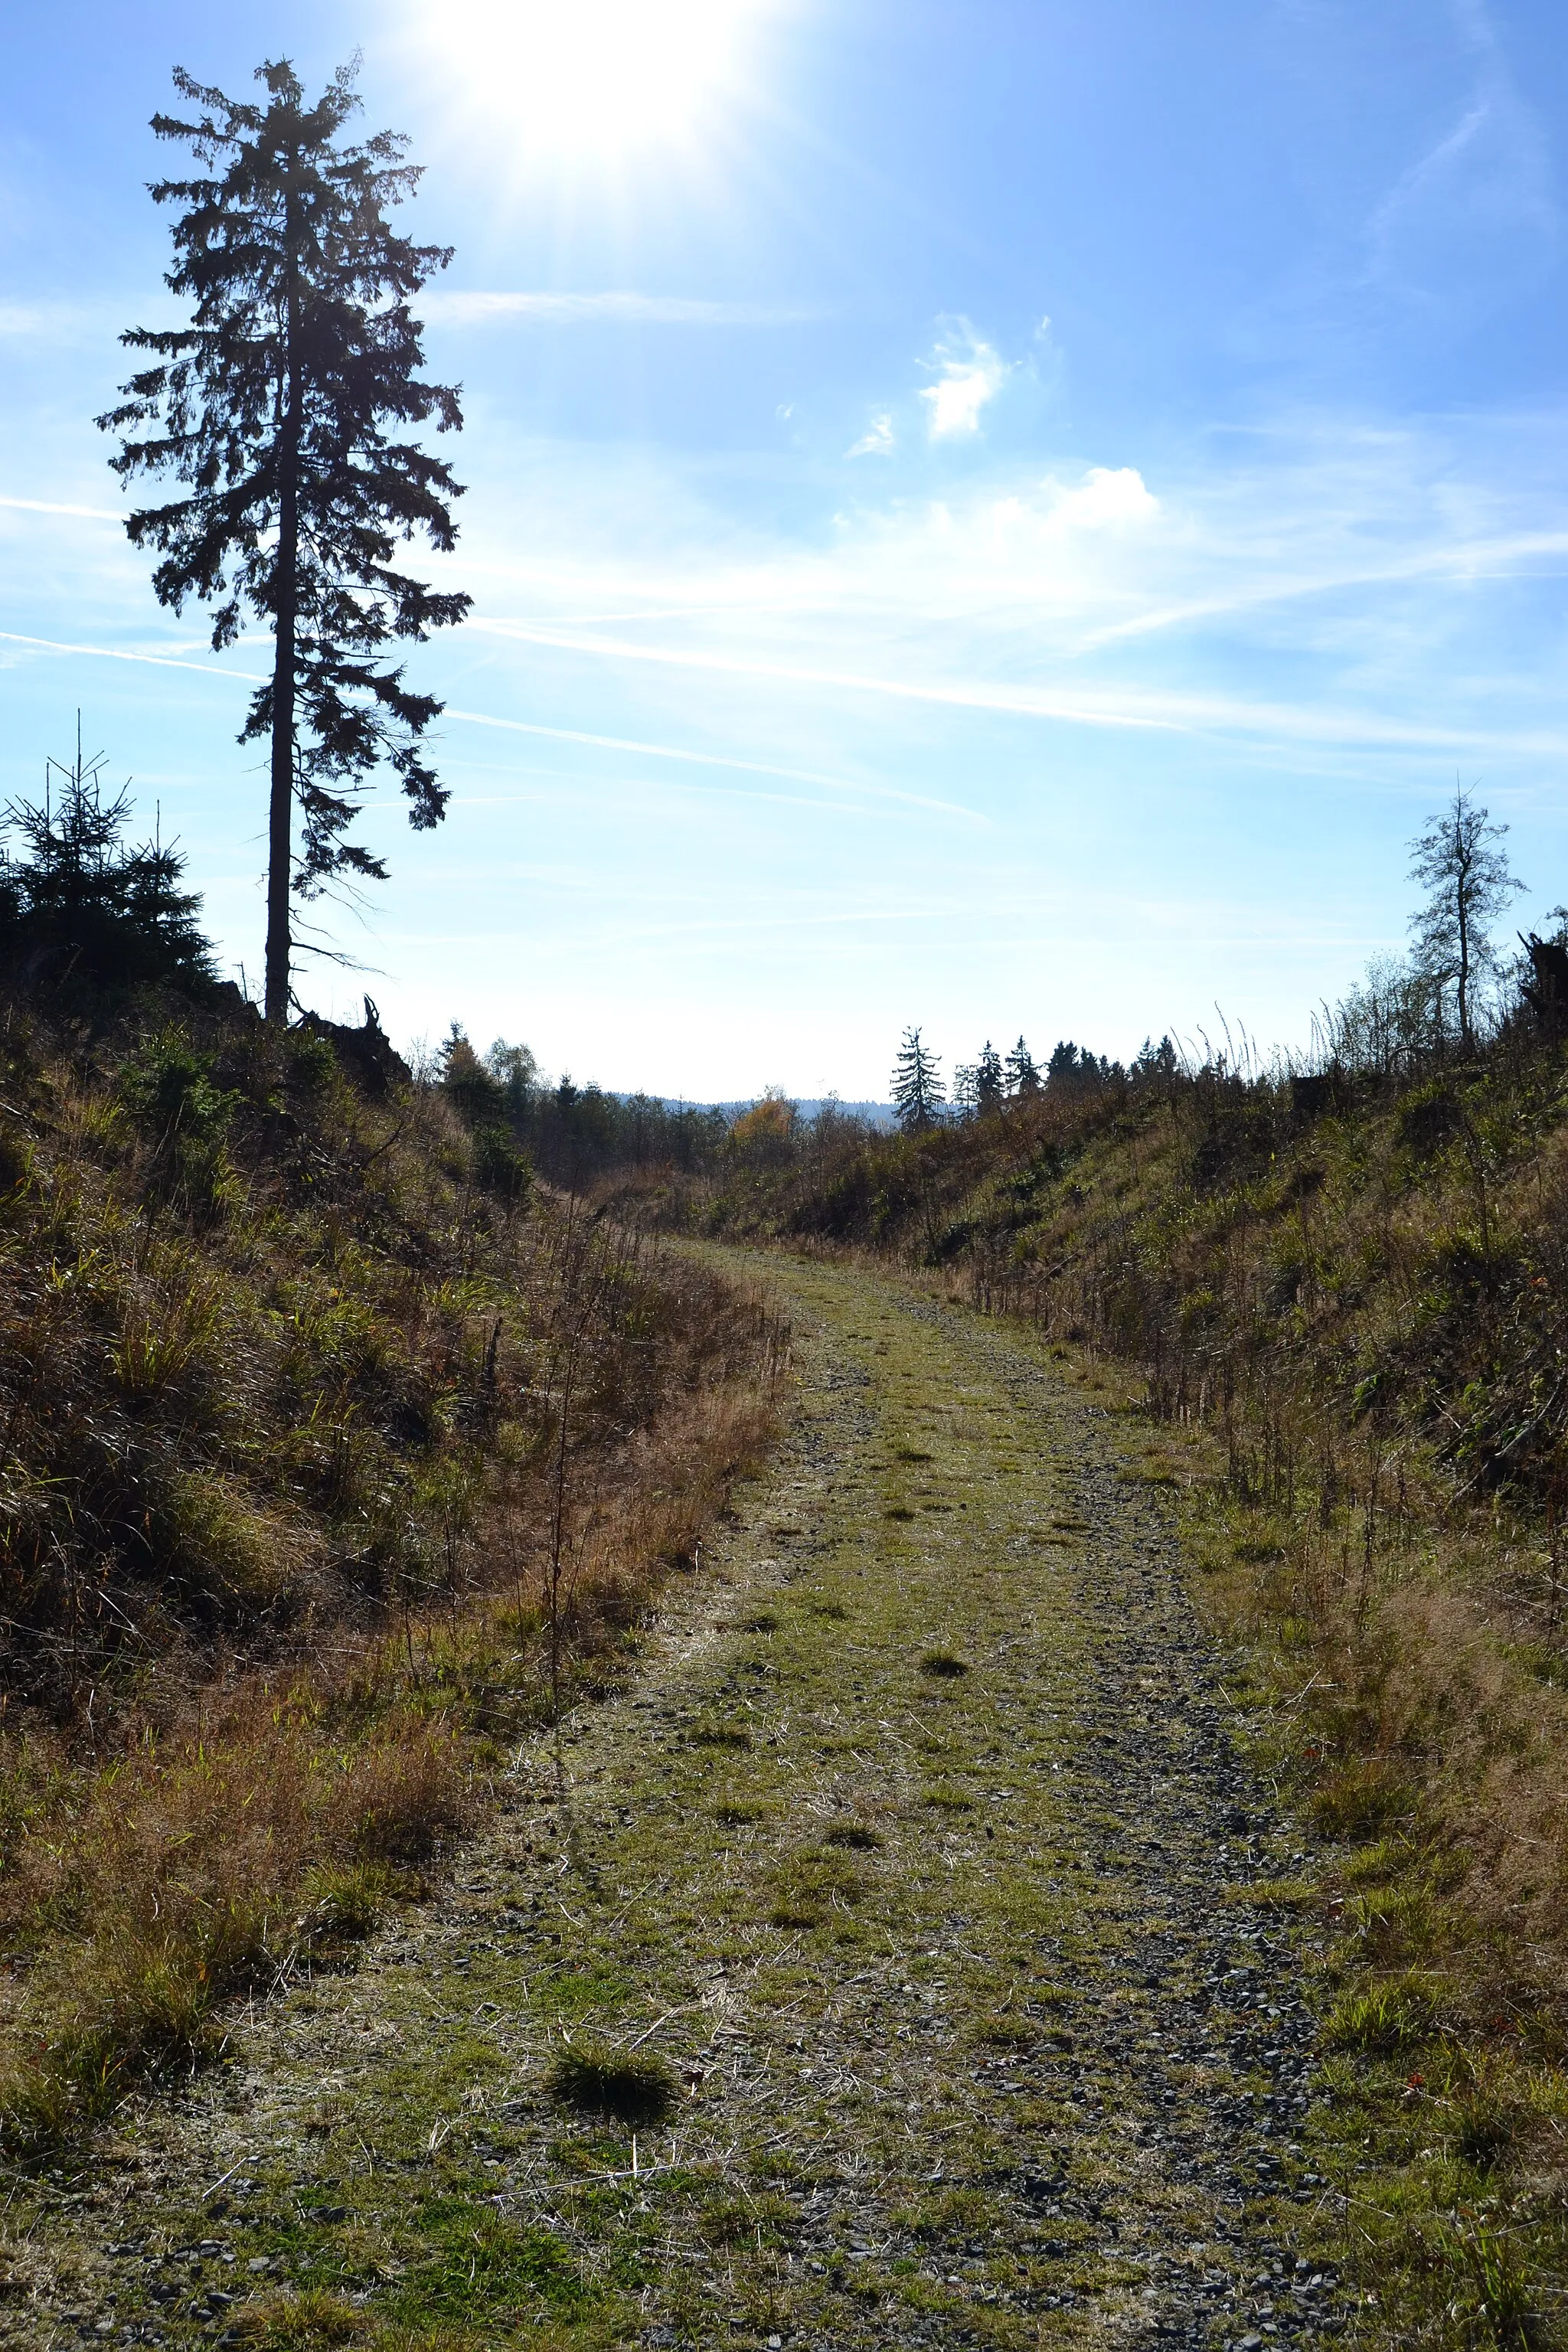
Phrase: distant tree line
[987,1084]
[93,921]
[572,1134]
[1454,991]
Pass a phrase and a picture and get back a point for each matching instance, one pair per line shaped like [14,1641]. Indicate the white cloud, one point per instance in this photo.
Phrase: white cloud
[969,373]
[878,440]
[1108,498]
[479,309]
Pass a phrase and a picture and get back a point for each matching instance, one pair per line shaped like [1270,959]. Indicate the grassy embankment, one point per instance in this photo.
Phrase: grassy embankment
[1352,1332]
[332,1459]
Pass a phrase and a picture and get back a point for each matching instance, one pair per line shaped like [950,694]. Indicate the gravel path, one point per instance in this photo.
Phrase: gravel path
[914,1850]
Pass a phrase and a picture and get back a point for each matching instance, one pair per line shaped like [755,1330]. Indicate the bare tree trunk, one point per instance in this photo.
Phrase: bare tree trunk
[1462,896]
[279,830]
[1464,908]
[281,813]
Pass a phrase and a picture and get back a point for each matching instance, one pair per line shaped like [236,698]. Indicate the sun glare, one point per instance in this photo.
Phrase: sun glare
[580,77]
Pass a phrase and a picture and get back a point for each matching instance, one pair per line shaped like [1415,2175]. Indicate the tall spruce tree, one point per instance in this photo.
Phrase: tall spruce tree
[917,1083]
[274,405]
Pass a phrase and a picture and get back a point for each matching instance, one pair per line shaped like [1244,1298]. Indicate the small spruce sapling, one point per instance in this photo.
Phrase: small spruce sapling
[81,903]
[980,1087]
[1023,1077]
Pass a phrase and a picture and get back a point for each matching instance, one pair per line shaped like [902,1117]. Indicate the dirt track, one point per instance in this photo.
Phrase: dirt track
[916,1848]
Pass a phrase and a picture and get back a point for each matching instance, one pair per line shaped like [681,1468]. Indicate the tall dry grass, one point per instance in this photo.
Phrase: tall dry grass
[284,1449]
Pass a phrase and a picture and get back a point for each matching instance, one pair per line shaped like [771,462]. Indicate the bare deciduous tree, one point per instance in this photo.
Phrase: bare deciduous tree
[1459,862]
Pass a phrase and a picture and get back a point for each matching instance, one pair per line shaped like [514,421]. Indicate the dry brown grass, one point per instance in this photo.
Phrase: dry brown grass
[286,1436]
[267,1825]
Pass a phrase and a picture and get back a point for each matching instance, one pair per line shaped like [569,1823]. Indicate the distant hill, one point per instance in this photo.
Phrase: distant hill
[875,1114]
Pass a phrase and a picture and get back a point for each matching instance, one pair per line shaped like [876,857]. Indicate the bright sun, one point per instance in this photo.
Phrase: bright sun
[576,77]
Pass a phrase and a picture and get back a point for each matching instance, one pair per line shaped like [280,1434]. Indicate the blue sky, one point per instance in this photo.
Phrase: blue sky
[1003,516]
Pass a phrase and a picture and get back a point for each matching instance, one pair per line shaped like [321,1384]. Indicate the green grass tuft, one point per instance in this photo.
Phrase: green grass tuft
[1386,2020]
[298,2323]
[631,2086]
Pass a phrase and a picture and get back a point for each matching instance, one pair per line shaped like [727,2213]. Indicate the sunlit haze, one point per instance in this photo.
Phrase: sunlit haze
[592,80]
[1003,516]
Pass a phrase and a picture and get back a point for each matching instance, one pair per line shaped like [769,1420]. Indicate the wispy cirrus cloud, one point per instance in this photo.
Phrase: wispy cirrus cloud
[684,755]
[131,653]
[1129,708]
[995,676]
[687,757]
[1080,599]
[1479,199]
[480,307]
[1467,560]
[1330,585]
[59,506]
[1327,587]
[46,321]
